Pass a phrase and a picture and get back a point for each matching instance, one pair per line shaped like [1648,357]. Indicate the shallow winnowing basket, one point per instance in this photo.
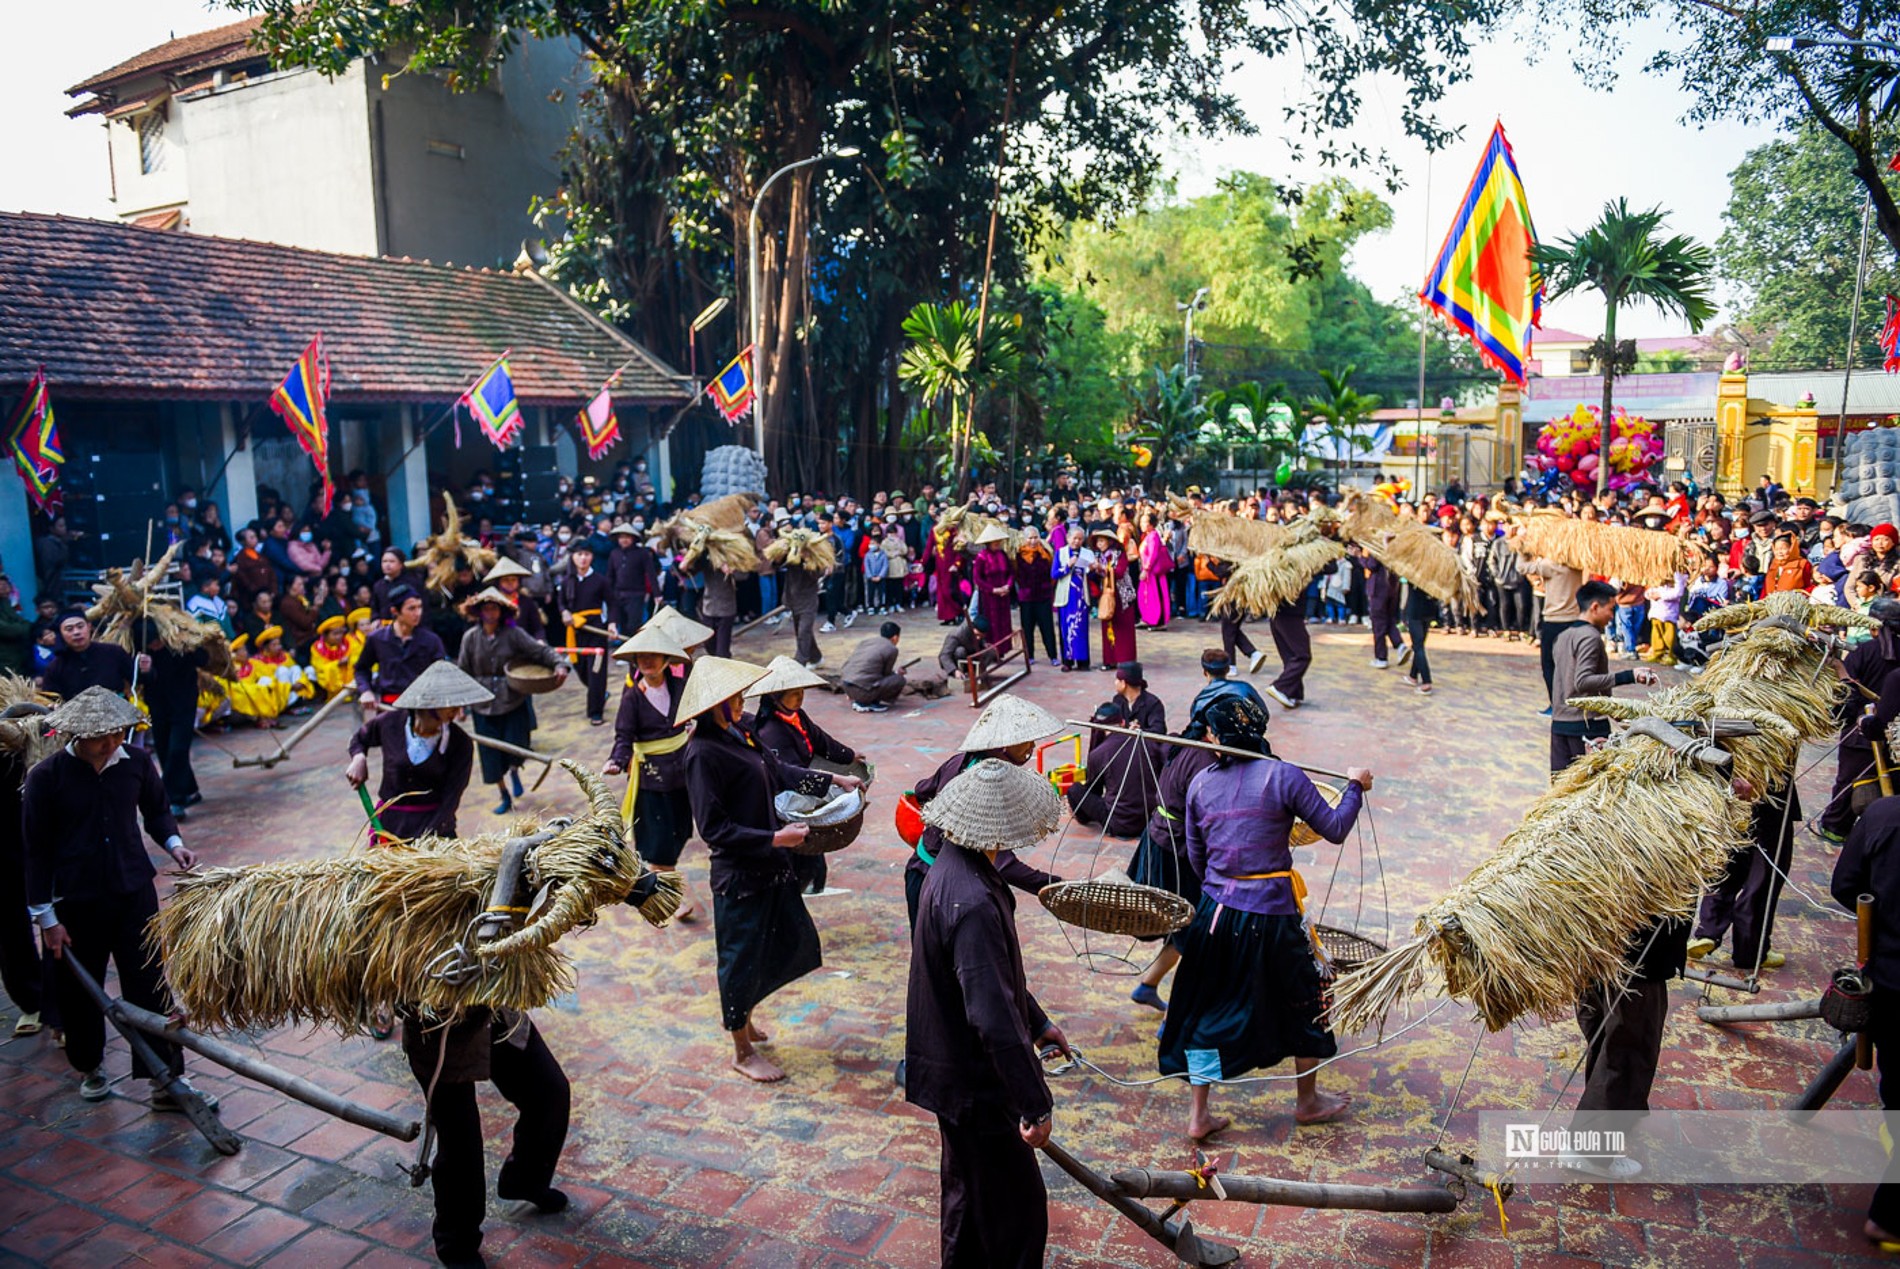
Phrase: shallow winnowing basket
[1117,907]
[1344,949]
[834,821]
[530,679]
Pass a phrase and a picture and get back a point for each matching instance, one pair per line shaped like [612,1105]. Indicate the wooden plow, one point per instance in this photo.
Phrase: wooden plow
[1125,1190]
[979,671]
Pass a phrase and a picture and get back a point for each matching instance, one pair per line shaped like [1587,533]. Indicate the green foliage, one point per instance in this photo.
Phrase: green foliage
[1340,411]
[1167,422]
[950,364]
[1789,246]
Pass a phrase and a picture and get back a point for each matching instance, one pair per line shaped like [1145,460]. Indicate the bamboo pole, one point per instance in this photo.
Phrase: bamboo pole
[1179,1238]
[1780,1011]
[1209,745]
[264,1073]
[1141,1183]
[202,1116]
[1864,918]
[758,620]
[285,746]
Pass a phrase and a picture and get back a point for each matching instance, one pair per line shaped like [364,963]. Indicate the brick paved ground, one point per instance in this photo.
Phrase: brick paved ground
[674,1161]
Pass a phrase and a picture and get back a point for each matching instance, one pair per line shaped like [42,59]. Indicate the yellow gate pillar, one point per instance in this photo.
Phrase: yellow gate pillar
[1731,430]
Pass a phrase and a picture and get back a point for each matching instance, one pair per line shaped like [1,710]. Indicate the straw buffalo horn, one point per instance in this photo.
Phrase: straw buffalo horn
[1703,752]
[25,709]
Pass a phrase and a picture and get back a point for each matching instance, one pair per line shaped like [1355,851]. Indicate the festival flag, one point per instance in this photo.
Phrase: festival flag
[492,402]
[300,402]
[732,388]
[1890,336]
[599,427]
[1483,282]
[33,440]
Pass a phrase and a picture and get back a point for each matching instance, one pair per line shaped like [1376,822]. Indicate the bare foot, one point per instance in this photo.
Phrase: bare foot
[1875,1234]
[759,1068]
[755,1035]
[1322,1109]
[1202,1129]
[686,916]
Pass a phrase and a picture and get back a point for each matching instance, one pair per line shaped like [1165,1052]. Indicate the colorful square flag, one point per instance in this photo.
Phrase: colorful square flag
[299,401]
[599,428]
[33,441]
[1483,282]
[732,388]
[492,402]
[1890,337]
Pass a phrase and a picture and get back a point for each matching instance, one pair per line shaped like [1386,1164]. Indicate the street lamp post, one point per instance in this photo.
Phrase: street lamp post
[1188,309]
[752,284]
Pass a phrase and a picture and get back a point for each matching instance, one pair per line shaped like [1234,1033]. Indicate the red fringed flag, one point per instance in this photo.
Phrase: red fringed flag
[1890,337]
[299,401]
[1483,282]
[732,388]
[492,402]
[33,440]
[600,429]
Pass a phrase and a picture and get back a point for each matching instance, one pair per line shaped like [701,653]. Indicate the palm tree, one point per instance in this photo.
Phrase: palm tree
[944,362]
[1623,258]
[1341,411]
[1247,417]
[1168,419]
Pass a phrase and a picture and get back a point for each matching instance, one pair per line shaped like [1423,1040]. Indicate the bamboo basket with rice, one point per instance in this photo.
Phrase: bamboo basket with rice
[448,552]
[330,942]
[1259,586]
[1626,835]
[1645,557]
[1413,551]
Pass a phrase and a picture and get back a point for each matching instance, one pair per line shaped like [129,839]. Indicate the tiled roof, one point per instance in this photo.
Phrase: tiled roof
[203,49]
[114,310]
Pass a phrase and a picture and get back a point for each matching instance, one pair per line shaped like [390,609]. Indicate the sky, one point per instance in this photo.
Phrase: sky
[1577,144]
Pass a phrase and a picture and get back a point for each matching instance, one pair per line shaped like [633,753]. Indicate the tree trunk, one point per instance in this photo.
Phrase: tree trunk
[1609,379]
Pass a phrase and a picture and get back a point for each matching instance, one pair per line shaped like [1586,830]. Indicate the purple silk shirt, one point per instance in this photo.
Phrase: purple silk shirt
[1238,819]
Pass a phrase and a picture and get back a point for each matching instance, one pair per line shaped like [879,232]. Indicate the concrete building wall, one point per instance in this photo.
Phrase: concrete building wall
[135,191]
[458,169]
[285,158]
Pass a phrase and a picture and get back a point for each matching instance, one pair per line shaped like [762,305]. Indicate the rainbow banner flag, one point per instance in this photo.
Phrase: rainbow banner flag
[33,440]
[299,401]
[1483,282]
[600,429]
[731,388]
[492,401]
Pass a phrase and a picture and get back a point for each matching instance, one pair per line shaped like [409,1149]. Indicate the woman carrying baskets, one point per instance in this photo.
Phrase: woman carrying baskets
[795,738]
[650,747]
[1248,993]
[494,650]
[764,936]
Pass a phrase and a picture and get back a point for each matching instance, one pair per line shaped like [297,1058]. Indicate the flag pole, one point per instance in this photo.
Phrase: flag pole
[442,417]
[1418,425]
[1853,337]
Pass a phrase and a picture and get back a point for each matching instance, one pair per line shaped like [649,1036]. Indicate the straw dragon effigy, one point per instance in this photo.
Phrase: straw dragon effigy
[437,926]
[1628,834]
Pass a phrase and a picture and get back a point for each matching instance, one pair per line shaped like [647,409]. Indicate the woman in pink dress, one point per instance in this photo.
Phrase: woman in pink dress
[1155,603]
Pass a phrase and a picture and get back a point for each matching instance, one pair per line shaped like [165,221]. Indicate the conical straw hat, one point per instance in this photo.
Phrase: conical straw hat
[996,805]
[505,567]
[684,630]
[1009,720]
[650,638]
[95,712]
[487,595]
[714,679]
[623,528]
[443,685]
[784,675]
[992,533]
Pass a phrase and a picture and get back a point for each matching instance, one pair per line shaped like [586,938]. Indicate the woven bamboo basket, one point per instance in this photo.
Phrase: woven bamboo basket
[530,679]
[833,824]
[1302,833]
[1346,950]
[1117,907]
[863,768]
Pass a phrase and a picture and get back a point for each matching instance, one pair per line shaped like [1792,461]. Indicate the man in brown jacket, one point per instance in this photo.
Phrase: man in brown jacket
[1580,667]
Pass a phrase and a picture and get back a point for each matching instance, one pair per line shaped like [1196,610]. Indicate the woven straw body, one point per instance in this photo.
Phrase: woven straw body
[1261,585]
[1412,551]
[1009,720]
[995,805]
[1232,537]
[26,736]
[803,549]
[443,555]
[1642,556]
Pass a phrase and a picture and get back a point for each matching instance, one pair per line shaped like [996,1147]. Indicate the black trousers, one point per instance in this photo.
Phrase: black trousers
[1421,668]
[1514,606]
[1737,905]
[111,929]
[995,1212]
[1623,1031]
[1233,639]
[629,613]
[532,1080]
[171,745]
[1039,615]
[1383,628]
[1295,646]
[20,970]
[722,635]
[594,672]
[1547,632]
[1885,1031]
[1856,763]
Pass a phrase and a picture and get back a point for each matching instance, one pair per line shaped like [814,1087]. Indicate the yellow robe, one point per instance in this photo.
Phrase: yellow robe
[335,667]
[255,692]
[301,688]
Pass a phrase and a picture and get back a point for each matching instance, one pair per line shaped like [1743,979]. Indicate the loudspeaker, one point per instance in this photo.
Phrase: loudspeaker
[540,487]
[537,458]
[129,474]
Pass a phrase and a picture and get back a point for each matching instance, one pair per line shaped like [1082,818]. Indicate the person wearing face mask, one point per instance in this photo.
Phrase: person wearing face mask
[764,935]
[307,555]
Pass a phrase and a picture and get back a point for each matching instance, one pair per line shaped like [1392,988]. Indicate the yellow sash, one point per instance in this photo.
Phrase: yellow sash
[1299,901]
[578,620]
[644,749]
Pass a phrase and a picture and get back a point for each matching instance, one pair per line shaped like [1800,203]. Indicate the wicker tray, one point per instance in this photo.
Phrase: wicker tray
[1110,907]
[862,768]
[1345,949]
[821,839]
[530,679]
[1303,833]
